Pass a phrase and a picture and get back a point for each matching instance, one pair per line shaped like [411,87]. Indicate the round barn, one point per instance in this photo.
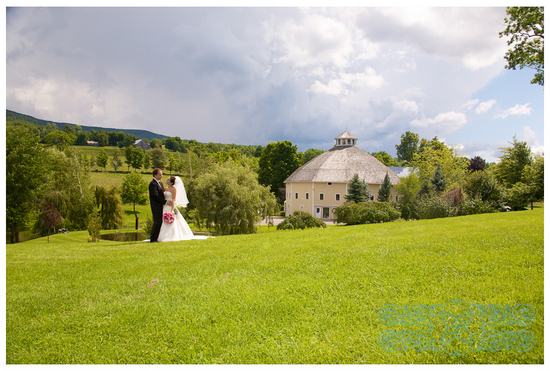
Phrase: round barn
[319,186]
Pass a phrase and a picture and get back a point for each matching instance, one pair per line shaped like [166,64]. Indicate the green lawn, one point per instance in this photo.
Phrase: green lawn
[308,296]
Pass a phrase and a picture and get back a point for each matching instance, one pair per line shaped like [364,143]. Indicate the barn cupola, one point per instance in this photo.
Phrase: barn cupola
[345,140]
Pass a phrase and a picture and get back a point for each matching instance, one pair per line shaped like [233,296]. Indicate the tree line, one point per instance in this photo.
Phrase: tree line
[48,185]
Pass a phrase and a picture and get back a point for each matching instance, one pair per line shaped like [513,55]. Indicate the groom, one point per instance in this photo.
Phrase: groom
[156,198]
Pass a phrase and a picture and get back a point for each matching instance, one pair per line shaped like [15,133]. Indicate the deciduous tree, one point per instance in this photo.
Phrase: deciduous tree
[26,170]
[102,159]
[134,190]
[277,162]
[408,146]
[525,26]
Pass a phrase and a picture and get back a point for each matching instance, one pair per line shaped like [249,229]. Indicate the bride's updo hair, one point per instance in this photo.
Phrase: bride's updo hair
[172,180]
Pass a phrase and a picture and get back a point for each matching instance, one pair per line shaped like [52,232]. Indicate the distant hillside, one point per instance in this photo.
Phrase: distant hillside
[12,116]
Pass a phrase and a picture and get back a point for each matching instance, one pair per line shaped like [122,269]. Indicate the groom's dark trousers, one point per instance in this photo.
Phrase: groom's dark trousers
[156,198]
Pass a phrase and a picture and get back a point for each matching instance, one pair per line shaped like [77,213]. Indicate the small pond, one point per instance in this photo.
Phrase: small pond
[125,236]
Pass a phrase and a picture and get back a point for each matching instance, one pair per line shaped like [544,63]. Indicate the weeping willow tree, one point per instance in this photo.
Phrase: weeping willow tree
[109,204]
[230,199]
[68,187]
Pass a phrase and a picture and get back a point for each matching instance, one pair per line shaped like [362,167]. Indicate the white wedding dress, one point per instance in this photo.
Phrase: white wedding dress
[177,230]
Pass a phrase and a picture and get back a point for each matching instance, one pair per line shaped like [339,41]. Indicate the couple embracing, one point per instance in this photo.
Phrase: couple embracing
[168,223]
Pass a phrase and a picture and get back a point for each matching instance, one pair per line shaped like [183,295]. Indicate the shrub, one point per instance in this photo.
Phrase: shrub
[474,205]
[406,212]
[94,228]
[432,206]
[366,212]
[301,220]
[147,225]
[481,184]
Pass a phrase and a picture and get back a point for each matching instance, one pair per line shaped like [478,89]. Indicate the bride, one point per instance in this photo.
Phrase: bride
[177,230]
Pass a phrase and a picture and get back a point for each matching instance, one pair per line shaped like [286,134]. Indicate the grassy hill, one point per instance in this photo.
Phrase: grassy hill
[143,134]
[311,296]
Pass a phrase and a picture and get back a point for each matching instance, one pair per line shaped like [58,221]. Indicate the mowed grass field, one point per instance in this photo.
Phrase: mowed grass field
[277,297]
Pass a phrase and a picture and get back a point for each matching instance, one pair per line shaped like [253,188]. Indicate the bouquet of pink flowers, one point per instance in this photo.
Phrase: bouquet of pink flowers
[168,218]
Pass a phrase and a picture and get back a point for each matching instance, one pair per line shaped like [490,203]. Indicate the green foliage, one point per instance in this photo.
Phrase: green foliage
[68,187]
[147,225]
[60,139]
[384,192]
[310,154]
[116,161]
[525,25]
[134,157]
[515,158]
[301,220]
[134,190]
[102,159]
[432,206]
[384,157]
[533,177]
[230,199]
[352,213]
[158,158]
[26,175]
[474,205]
[408,147]
[94,228]
[277,162]
[483,185]
[358,190]
[439,182]
[435,153]
[110,209]
[408,189]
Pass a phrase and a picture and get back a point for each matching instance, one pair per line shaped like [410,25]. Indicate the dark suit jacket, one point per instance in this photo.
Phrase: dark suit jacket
[156,197]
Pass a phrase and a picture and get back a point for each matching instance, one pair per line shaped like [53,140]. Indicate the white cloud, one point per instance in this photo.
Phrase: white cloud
[316,40]
[470,104]
[532,140]
[485,106]
[462,35]
[443,123]
[518,109]
[348,82]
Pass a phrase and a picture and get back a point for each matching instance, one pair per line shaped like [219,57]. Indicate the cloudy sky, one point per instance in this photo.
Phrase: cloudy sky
[257,75]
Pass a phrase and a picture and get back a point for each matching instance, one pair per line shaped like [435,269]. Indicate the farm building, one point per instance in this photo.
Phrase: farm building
[319,186]
[140,143]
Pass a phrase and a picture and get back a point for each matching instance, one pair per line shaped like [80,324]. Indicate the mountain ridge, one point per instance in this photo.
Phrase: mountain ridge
[141,134]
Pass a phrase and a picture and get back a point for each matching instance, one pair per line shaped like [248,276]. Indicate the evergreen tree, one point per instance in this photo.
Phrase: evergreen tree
[439,182]
[384,192]
[358,190]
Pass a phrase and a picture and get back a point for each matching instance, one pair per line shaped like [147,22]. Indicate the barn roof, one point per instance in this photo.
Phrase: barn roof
[340,164]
